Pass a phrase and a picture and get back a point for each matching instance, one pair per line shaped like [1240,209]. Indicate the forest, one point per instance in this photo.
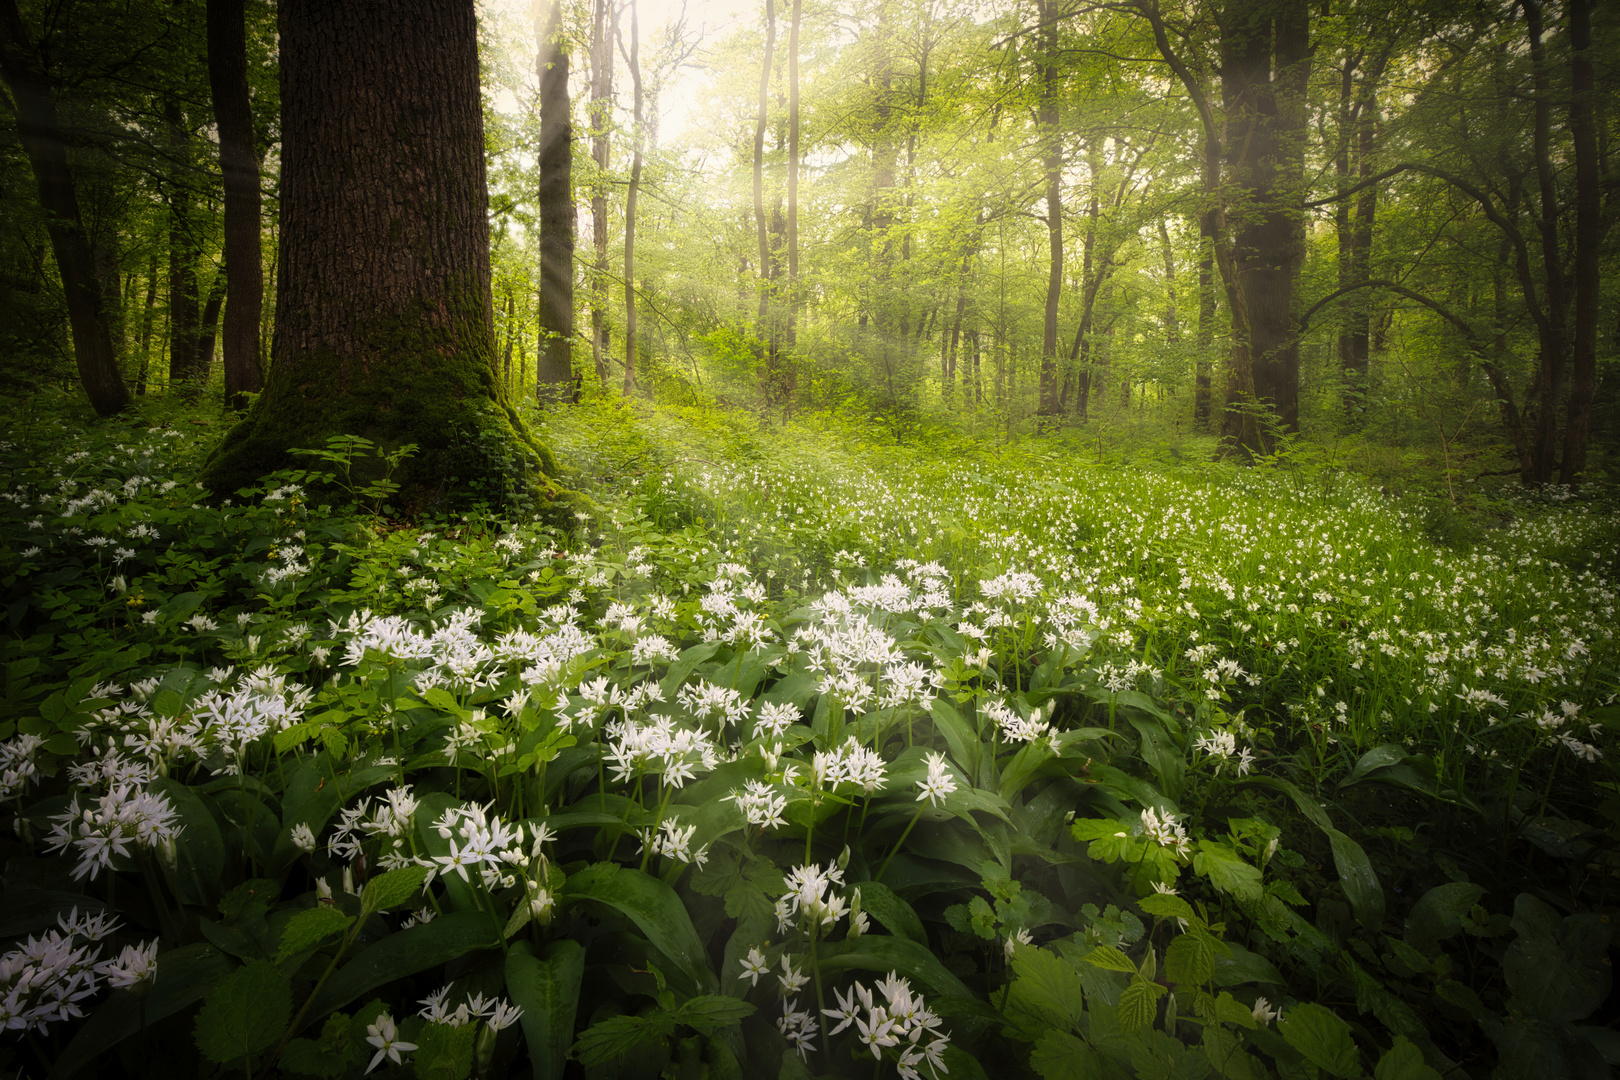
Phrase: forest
[1058,539]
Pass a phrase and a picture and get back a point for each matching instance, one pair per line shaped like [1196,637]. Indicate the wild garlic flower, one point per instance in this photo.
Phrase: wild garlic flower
[754,966]
[384,1035]
[674,842]
[798,1027]
[774,719]
[302,837]
[810,898]
[938,783]
[1013,727]
[851,763]
[119,820]
[898,1021]
[1165,831]
[760,805]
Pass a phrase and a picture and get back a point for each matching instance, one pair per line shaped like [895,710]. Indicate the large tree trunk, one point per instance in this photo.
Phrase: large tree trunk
[1265,109]
[239,161]
[43,143]
[1046,117]
[384,327]
[1588,243]
[554,366]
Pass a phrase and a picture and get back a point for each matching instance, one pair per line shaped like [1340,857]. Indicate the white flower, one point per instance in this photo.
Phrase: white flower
[1264,1013]
[385,1037]
[753,966]
[134,965]
[939,783]
[303,838]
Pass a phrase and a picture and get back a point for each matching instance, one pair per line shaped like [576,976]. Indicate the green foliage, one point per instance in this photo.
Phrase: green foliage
[244,1014]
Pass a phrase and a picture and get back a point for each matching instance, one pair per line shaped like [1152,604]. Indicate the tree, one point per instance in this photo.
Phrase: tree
[554,368]
[384,323]
[46,146]
[239,162]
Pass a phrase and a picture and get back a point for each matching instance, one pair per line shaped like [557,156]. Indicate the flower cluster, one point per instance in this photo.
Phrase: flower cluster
[45,979]
[123,818]
[899,1022]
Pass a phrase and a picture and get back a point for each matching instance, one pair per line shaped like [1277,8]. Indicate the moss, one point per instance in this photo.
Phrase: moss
[401,387]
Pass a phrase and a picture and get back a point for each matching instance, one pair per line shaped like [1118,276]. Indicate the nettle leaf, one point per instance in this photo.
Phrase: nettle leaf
[244,1014]
[1322,1037]
[710,1012]
[1166,906]
[1139,1003]
[1226,870]
[1110,959]
[1403,1061]
[1061,1056]
[1047,988]
[1190,959]
[329,1056]
[393,889]
[308,929]
[618,1035]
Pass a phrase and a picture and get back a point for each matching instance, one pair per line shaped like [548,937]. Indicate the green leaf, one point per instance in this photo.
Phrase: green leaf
[406,953]
[1047,988]
[709,1012]
[184,975]
[1110,959]
[1322,1037]
[308,929]
[393,889]
[1226,870]
[1242,966]
[618,1035]
[875,952]
[655,909]
[1403,1061]
[200,868]
[1439,913]
[1138,1004]
[1190,959]
[547,990]
[1060,1056]
[897,916]
[244,1013]
[329,1056]
[1355,871]
[444,1052]
[1166,906]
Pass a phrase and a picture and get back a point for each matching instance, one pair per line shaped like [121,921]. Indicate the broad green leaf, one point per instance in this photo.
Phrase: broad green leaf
[547,990]
[654,908]
[200,867]
[1160,753]
[1355,870]
[1557,969]
[1322,1037]
[1403,1061]
[709,1012]
[394,889]
[405,953]
[616,1036]
[332,1055]
[1241,966]
[877,952]
[184,975]
[308,929]
[244,1013]
[897,916]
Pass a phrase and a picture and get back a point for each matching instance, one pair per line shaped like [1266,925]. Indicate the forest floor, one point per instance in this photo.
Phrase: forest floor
[1028,723]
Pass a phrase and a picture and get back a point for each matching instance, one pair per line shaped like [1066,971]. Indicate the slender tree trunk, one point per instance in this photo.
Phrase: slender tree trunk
[208,326]
[1048,407]
[790,336]
[763,329]
[1588,243]
[631,335]
[41,135]
[1172,325]
[554,367]
[239,162]
[601,109]
[146,326]
[183,255]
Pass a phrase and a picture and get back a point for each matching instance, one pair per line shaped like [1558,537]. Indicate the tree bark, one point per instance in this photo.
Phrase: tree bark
[384,324]
[239,162]
[601,107]
[762,324]
[790,335]
[1048,407]
[41,135]
[184,308]
[1588,244]
[554,366]
[631,334]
